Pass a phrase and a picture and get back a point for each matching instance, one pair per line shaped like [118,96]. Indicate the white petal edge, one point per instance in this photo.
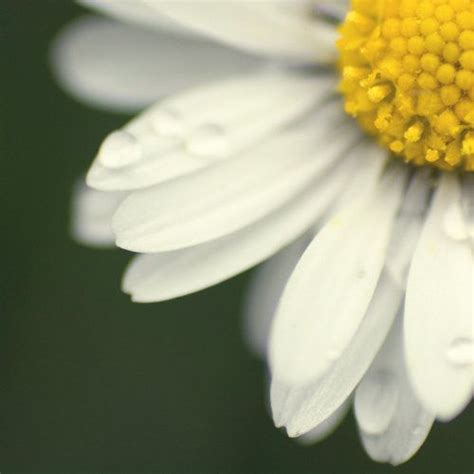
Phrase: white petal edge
[327,427]
[440,309]
[121,67]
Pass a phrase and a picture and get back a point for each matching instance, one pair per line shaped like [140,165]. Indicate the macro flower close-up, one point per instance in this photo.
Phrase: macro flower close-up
[341,151]
[330,144]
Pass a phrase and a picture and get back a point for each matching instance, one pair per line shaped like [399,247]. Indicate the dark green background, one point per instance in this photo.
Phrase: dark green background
[93,383]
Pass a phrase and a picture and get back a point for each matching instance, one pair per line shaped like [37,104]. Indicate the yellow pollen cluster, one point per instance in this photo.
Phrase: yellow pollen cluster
[408,76]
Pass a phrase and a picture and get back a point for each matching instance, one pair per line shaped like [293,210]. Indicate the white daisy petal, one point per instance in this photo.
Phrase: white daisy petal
[92,213]
[439,309]
[392,422]
[264,294]
[331,288]
[327,427]
[121,67]
[157,277]
[198,128]
[222,199]
[301,408]
[252,26]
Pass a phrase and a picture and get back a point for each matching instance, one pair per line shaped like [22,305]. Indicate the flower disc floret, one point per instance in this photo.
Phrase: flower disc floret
[408,77]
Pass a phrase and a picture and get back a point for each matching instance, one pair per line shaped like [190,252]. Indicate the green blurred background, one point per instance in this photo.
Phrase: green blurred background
[92,383]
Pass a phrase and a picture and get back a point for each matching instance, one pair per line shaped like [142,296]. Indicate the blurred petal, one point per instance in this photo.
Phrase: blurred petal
[331,288]
[392,422]
[252,26]
[122,67]
[440,307]
[92,213]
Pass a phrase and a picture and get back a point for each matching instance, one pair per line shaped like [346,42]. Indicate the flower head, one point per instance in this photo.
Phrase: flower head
[369,276]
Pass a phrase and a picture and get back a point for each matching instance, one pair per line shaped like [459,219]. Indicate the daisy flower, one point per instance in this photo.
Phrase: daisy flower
[334,141]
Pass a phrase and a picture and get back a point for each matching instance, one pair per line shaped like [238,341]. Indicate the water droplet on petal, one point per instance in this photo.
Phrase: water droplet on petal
[168,123]
[454,224]
[119,149]
[209,141]
[461,351]
[376,402]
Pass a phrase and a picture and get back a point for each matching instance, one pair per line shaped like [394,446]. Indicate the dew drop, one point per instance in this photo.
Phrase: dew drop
[454,225]
[376,402]
[209,141]
[119,149]
[461,352]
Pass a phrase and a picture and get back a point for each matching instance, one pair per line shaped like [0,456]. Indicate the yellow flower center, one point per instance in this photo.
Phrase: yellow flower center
[408,76]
